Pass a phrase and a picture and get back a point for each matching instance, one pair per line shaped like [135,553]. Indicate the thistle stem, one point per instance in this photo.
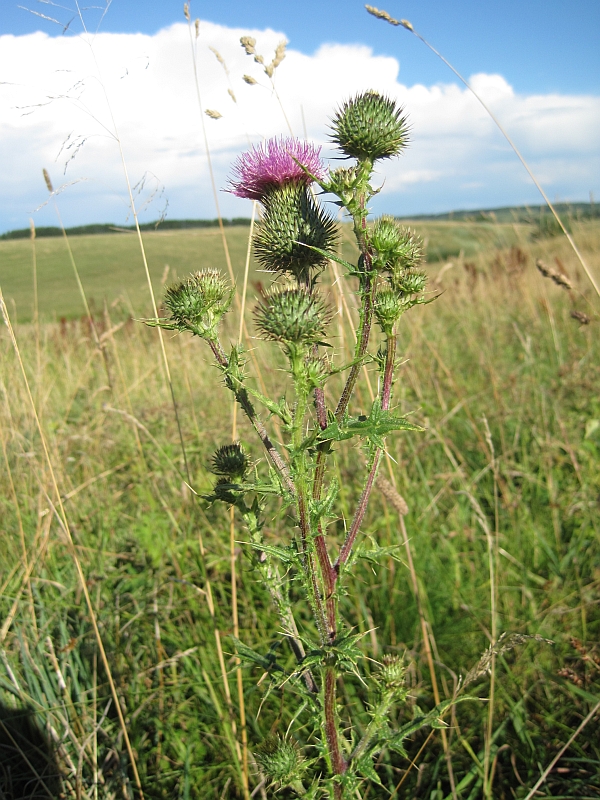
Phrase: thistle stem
[338,762]
[359,514]
[362,342]
[386,396]
[300,474]
[241,395]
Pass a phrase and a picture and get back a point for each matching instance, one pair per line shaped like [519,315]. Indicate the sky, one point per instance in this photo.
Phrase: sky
[122,96]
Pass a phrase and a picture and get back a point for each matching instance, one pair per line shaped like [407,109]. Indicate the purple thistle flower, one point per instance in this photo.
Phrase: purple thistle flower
[272,164]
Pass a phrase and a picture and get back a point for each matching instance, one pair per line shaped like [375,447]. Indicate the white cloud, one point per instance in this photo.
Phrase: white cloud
[54,112]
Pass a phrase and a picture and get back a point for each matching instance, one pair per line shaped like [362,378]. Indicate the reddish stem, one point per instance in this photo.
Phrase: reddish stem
[338,762]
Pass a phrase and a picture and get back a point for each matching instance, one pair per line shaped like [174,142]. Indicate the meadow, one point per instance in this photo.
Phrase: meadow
[502,489]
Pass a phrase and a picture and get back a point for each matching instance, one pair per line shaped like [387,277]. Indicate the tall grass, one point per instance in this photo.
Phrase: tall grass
[507,386]
[501,531]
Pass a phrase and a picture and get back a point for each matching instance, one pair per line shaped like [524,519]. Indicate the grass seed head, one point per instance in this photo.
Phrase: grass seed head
[48,180]
[249,45]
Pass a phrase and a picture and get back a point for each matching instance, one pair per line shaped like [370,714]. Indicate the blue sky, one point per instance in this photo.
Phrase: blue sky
[536,63]
[537,45]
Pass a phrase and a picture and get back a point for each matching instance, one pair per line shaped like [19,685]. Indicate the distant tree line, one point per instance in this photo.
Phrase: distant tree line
[83,230]
[538,216]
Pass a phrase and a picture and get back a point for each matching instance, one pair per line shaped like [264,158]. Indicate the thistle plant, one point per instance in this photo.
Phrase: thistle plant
[295,240]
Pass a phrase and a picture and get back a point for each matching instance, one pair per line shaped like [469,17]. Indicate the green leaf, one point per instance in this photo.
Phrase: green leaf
[326,254]
[374,554]
[432,719]
[246,653]
[374,427]
[365,767]
[321,509]
[287,555]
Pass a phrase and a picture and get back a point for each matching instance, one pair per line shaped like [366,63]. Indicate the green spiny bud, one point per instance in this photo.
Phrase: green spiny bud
[316,370]
[397,248]
[369,127]
[230,460]
[411,282]
[388,309]
[392,672]
[198,302]
[291,221]
[294,316]
[222,491]
[341,181]
[280,760]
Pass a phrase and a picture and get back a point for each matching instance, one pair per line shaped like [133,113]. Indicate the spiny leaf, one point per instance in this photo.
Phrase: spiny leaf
[365,767]
[321,509]
[287,555]
[267,662]
[374,427]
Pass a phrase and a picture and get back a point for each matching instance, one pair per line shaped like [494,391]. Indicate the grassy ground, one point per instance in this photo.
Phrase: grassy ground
[111,266]
[506,384]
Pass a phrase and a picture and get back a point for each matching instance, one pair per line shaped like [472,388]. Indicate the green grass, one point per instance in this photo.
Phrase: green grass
[507,386]
[111,267]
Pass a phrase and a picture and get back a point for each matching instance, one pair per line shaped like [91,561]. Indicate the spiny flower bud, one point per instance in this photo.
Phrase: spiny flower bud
[197,303]
[222,491]
[292,220]
[397,248]
[230,460]
[293,316]
[316,370]
[341,181]
[411,282]
[388,309]
[369,127]
[280,761]
[391,674]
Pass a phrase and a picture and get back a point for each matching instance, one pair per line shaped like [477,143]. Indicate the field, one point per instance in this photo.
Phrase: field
[503,490]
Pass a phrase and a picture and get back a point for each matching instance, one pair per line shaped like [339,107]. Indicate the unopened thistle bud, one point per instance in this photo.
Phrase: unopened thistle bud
[411,282]
[370,127]
[280,761]
[388,309]
[293,223]
[295,317]
[197,303]
[222,491]
[392,672]
[316,370]
[396,248]
[231,461]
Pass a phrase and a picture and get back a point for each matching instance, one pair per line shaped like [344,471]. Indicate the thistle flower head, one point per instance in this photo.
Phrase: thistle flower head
[293,220]
[370,127]
[198,302]
[295,317]
[280,760]
[274,163]
[230,461]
